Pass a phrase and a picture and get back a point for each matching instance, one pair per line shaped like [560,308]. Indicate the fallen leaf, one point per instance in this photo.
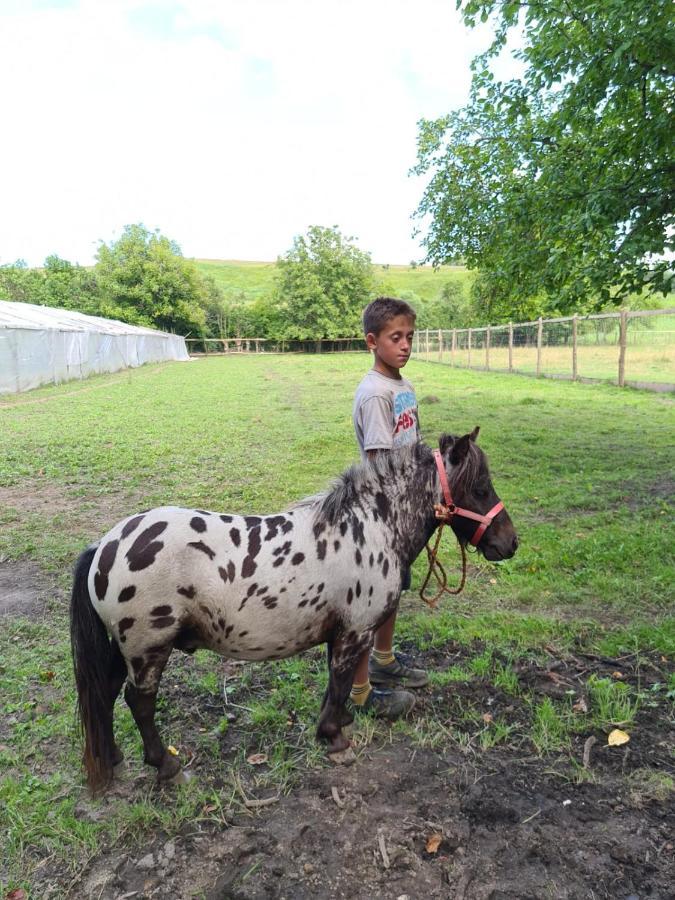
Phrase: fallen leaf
[209,808]
[487,718]
[617,737]
[434,842]
[493,581]
[172,750]
[580,706]
[617,674]
[257,759]
[16,894]
[47,675]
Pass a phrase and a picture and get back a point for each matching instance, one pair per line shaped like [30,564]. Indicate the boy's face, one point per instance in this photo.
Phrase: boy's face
[392,346]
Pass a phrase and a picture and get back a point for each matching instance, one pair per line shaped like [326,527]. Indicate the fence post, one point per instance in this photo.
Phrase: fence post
[206,347]
[453,346]
[510,346]
[469,348]
[440,345]
[427,345]
[487,349]
[623,323]
[417,343]
[540,331]
[575,373]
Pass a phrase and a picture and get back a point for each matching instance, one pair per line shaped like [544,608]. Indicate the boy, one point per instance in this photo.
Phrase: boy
[385,418]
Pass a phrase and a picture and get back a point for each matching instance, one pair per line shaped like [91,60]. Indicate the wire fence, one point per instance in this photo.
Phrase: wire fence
[633,349]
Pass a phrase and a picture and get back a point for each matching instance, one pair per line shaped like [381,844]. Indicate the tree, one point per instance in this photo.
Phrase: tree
[323,283]
[559,187]
[20,284]
[450,308]
[69,286]
[144,279]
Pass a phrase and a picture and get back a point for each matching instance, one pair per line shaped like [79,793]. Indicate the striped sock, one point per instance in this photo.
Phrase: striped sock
[383,657]
[360,693]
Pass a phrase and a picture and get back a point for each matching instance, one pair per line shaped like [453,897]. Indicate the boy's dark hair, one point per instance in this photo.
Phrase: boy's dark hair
[382,310]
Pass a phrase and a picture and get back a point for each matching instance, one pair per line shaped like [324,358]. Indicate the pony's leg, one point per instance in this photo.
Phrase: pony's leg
[141,698]
[346,652]
[346,717]
[116,677]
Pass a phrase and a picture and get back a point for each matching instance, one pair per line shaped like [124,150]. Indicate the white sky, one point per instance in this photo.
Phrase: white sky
[230,125]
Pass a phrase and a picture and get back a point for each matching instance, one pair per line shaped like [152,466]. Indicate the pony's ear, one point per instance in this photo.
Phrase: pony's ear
[474,434]
[460,448]
[445,442]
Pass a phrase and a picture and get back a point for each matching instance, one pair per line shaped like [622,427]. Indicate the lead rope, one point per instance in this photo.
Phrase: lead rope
[436,569]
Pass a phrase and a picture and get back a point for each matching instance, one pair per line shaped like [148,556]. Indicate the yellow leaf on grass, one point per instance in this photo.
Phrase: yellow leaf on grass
[257,759]
[487,718]
[617,737]
[434,842]
[172,750]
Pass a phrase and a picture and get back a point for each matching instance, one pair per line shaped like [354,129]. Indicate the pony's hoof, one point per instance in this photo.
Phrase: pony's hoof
[169,768]
[345,757]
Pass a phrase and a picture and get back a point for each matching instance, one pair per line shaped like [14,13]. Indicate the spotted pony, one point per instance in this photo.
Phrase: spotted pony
[327,570]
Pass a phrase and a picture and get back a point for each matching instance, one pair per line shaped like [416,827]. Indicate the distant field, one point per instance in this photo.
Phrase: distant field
[257,278]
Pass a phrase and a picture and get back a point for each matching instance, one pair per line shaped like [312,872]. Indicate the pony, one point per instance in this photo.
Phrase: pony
[327,570]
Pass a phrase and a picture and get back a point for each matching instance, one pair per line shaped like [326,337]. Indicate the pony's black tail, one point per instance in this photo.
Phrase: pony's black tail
[92,657]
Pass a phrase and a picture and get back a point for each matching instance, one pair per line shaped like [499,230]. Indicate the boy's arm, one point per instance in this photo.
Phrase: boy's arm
[376,418]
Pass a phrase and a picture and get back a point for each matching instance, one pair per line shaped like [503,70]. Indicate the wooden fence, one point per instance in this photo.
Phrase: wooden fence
[631,349]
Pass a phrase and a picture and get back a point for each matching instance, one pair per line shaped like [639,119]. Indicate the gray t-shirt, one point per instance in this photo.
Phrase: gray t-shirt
[385,413]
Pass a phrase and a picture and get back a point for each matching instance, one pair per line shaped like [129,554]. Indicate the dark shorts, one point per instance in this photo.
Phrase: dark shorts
[406,580]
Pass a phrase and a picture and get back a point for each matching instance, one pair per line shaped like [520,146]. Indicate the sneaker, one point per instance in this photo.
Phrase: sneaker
[396,674]
[383,703]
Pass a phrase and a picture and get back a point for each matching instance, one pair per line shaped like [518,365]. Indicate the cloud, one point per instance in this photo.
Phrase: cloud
[230,126]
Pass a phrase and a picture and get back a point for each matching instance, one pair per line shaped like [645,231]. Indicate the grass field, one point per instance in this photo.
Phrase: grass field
[585,471]
[257,278]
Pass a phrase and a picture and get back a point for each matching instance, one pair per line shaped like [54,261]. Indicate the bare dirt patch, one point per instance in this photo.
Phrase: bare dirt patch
[45,499]
[504,829]
[455,821]
[24,590]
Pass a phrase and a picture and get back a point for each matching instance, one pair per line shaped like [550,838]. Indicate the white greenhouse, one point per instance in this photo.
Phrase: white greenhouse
[42,345]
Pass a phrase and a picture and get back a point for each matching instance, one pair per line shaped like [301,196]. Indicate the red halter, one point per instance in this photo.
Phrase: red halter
[485,521]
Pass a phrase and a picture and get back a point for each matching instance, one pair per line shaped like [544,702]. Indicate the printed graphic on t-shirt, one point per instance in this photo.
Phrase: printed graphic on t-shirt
[405,429]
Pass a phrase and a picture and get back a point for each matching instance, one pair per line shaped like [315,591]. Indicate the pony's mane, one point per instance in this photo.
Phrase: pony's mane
[359,478]
[368,476]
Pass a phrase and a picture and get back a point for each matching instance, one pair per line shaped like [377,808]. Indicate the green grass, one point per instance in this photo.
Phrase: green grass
[613,703]
[550,732]
[582,469]
[237,276]
[256,279]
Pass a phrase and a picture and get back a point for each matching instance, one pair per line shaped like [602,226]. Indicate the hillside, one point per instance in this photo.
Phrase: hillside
[257,278]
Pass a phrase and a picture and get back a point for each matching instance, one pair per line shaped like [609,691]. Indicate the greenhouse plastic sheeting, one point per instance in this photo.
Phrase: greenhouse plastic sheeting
[41,345]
